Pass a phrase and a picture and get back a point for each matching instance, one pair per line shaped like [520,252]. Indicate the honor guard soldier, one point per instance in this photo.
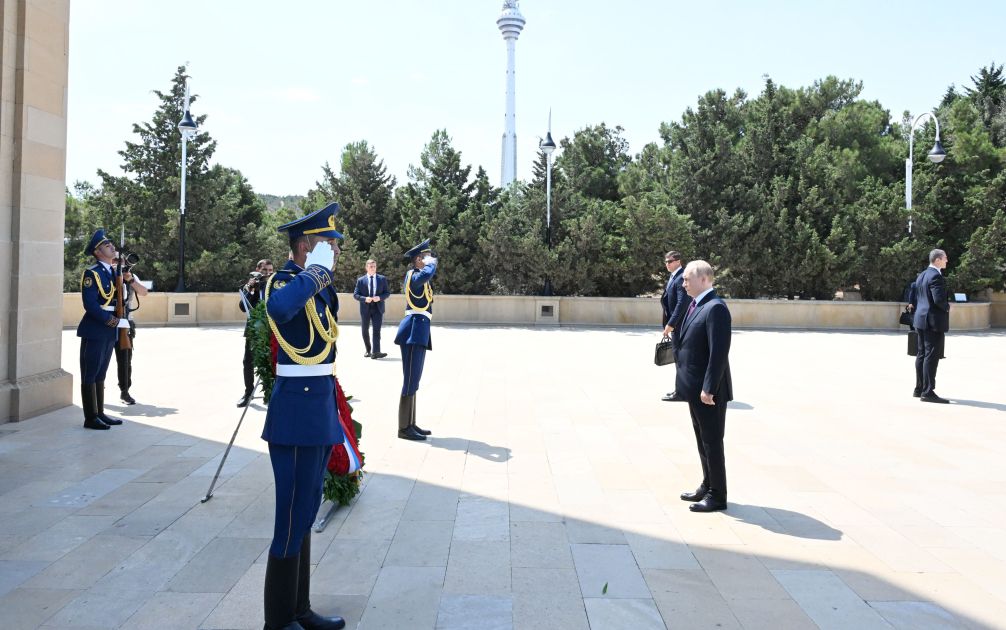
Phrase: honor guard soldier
[98,329]
[414,334]
[302,423]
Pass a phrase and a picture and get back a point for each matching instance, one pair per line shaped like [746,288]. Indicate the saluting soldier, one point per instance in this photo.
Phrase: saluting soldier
[302,423]
[414,334]
[98,329]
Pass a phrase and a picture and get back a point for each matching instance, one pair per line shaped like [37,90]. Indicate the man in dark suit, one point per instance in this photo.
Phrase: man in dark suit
[371,292]
[703,379]
[673,301]
[931,321]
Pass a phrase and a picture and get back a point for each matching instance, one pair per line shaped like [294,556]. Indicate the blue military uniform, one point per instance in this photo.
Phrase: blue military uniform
[302,423]
[414,338]
[97,331]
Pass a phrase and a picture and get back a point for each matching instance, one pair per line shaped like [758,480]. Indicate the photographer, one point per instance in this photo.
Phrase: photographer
[124,356]
[251,294]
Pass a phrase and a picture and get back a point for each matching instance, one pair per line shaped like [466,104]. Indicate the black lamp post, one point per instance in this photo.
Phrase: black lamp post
[547,147]
[187,127]
[935,156]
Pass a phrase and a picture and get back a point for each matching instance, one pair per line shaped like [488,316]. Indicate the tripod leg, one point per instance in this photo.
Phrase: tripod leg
[209,492]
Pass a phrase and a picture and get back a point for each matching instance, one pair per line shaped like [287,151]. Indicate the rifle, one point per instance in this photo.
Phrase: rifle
[125,342]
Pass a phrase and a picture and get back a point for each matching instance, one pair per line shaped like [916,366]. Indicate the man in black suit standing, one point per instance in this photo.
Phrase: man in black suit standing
[931,321]
[673,301]
[371,292]
[703,379]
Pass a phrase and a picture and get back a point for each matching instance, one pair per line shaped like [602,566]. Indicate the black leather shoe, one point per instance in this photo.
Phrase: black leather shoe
[421,431]
[917,393]
[244,400]
[378,355]
[94,423]
[408,434]
[708,504]
[126,398]
[366,355]
[933,398]
[313,621]
[699,494]
[673,397]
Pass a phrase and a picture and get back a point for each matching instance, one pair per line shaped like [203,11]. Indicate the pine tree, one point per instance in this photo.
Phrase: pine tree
[364,191]
[223,214]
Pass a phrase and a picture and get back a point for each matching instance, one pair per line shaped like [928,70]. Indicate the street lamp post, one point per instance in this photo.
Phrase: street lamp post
[936,156]
[187,127]
[547,147]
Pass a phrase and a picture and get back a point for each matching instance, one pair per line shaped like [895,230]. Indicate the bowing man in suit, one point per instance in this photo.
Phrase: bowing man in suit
[302,423]
[703,379]
[931,321]
[673,301]
[371,291]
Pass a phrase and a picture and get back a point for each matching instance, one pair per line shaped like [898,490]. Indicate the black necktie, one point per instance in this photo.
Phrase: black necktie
[371,286]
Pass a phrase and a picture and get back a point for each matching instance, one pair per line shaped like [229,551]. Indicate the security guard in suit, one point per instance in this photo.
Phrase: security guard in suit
[931,320]
[302,423]
[98,329]
[414,334]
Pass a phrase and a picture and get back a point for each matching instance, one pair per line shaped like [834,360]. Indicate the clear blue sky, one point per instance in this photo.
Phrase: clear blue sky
[287,84]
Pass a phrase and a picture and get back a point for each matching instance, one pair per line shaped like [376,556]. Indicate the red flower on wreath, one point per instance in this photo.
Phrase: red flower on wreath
[339,462]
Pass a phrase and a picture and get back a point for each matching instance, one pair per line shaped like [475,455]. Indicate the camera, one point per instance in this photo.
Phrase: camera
[255,279]
[129,259]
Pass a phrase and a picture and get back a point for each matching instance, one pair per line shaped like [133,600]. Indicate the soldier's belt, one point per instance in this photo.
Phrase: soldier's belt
[322,369]
[423,313]
[110,309]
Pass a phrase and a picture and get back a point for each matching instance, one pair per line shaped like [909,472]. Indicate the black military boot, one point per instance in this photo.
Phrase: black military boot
[405,430]
[281,593]
[91,420]
[413,420]
[99,397]
[307,618]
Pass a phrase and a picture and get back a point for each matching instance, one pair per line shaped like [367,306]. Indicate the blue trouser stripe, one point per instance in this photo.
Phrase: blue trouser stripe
[299,472]
[94,357]
[413,358]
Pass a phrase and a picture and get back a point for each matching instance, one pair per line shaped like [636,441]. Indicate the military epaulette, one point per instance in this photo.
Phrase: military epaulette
[280,278]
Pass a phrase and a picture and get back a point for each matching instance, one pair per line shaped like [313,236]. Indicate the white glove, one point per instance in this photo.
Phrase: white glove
[123,323]
[322,255]
[429,260]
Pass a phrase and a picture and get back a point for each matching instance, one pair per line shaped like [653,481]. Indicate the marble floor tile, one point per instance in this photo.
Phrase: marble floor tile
[608,571]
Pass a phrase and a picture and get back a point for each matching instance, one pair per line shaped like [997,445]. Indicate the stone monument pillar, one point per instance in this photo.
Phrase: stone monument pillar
[33,79]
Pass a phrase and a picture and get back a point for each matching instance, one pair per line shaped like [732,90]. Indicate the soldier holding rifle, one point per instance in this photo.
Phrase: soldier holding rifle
[101,286]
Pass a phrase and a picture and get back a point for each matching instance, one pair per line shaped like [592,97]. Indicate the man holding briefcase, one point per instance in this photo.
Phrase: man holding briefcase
[674,301]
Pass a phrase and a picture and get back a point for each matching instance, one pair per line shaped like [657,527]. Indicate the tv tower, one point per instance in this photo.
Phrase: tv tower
[510,23]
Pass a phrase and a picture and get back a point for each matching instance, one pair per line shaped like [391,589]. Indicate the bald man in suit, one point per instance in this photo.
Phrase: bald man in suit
[703,379]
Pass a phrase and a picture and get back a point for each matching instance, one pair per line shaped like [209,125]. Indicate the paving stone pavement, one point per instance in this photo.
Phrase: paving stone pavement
[547,497]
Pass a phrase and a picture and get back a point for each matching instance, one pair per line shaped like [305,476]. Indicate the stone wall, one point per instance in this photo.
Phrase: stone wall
[33,82]
[160,309]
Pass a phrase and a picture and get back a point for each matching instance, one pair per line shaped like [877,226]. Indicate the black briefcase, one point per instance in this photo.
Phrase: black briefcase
[664,353]
[906,318]
[913,345]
